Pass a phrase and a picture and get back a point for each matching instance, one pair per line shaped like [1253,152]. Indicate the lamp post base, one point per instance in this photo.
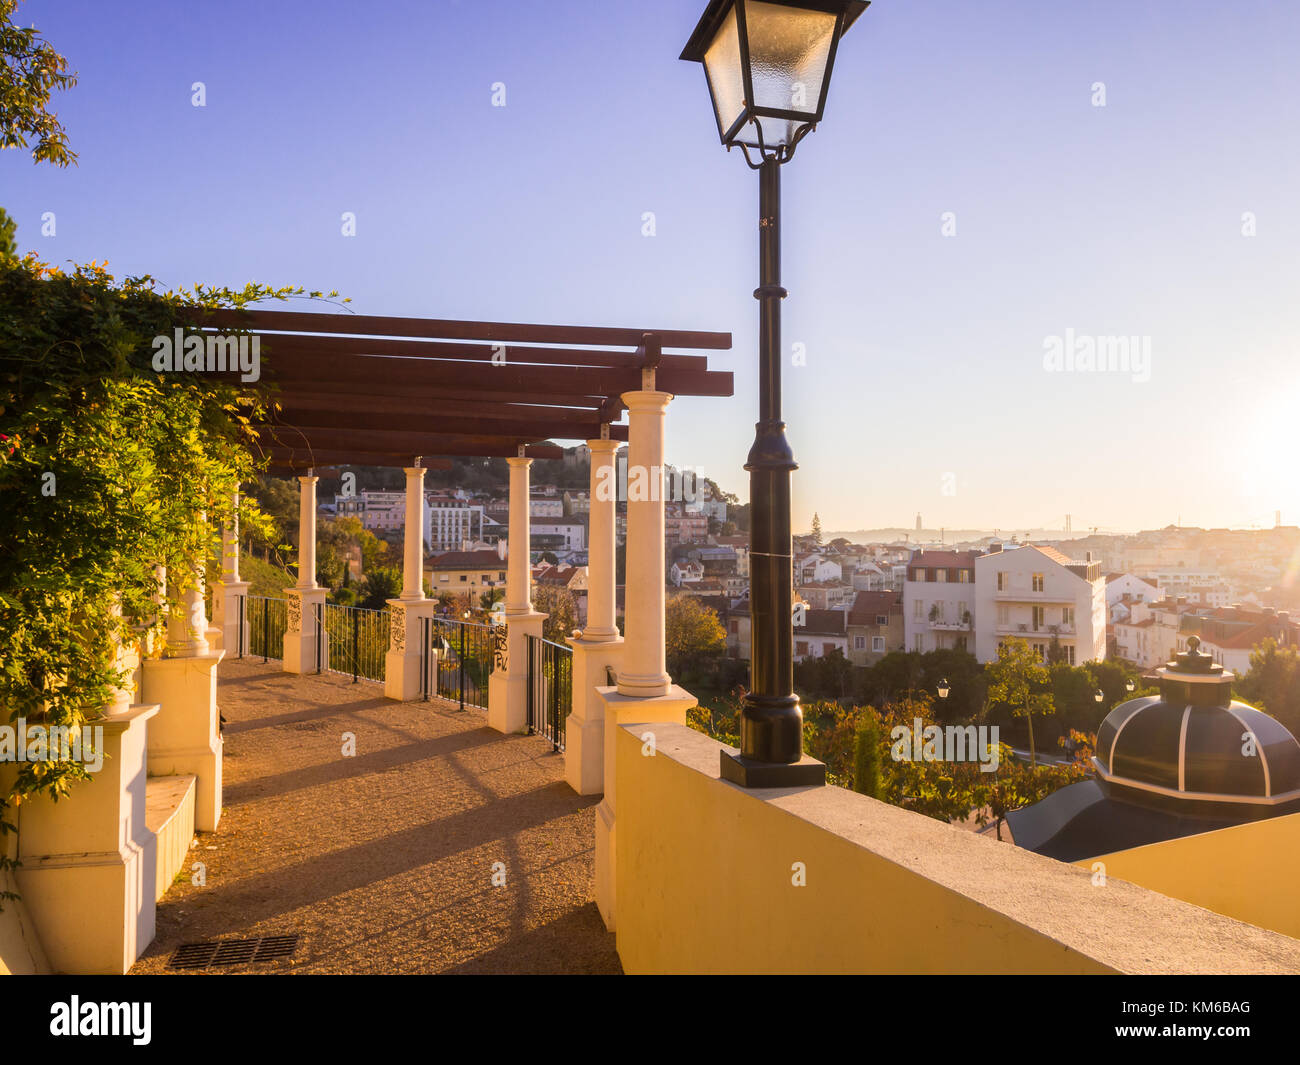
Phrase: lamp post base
[749,773]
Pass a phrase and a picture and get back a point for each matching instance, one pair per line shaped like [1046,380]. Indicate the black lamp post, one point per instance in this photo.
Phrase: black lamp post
[768,67]
[944,688]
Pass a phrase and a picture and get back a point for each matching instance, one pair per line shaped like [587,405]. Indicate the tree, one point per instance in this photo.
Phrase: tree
[8,244]
[866,755]
[691,631]
[30,71]
[816,528]
[561,610]
[1273,683]
[381,584]
[1019,680]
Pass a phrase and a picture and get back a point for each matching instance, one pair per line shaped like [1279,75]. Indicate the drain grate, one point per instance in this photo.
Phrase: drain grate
[232,952]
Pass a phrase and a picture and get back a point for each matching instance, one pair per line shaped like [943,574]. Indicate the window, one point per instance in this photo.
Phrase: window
[918,609]
[1004,614]
[961,611]
[859,643]
[1004,581]
[941,575]
[463,578]
[963,576]
[919,643]
[1038,617]
[877,643]
[881,619]
[1038,582]
[919,575]
[486,578]
[1067,616]
[801,647]
[961,643]
[1069,653]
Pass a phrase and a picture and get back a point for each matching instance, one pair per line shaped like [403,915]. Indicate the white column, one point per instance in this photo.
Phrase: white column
[644,673]
[413,537]
[307,532]
[231,592]
[301,635]
[508,685]
[601,625]
[519,592]
[406,631]
[645,694]
[600,646]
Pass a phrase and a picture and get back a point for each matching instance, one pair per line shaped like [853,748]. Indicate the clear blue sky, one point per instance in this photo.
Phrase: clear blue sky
[924,352]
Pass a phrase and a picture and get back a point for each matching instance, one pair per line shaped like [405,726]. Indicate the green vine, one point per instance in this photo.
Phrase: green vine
[105,465]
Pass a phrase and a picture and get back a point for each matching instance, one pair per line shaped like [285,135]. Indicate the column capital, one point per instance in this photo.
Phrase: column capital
[308,480]
[604,447]
[644,400]
[519,462]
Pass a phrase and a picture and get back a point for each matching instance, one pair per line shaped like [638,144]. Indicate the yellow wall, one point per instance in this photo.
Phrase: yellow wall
[704,884]
[1249,872]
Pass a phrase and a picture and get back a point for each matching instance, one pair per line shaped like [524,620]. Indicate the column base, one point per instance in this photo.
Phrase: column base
[402,661]
[89,861]
[584,730]
[508,688]
[225,617]
[748,773]
[185,738]
[300,647]
[625,710]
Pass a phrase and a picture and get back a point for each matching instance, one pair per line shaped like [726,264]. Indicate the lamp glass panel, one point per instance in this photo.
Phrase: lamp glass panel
[722,68]
[789,48]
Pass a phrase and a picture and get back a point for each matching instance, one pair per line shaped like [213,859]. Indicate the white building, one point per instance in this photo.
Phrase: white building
[450,524]
[939,607]
[378,511]
[573,531]
[1037,594]
[1125,589]
[814,568]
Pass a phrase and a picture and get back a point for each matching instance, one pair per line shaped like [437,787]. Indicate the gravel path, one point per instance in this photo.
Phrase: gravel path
[384,862]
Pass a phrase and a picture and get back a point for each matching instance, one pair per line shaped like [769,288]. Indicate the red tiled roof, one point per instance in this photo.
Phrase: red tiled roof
[944,559]
[467,560]
[870,605]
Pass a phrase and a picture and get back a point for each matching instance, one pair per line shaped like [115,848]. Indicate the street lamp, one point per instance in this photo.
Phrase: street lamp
[944,688]
[1099,695]
[1130,685]
[768,67]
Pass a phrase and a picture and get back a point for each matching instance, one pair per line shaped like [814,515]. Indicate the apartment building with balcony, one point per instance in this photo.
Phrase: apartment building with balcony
[1038,594]
[939,608]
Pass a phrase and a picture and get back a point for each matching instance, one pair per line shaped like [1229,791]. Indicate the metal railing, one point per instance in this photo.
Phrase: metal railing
[550,689]
[267,620]
[455,661]
[357,639]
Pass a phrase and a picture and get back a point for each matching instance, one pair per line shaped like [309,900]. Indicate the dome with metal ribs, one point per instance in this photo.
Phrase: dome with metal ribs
[1194,745]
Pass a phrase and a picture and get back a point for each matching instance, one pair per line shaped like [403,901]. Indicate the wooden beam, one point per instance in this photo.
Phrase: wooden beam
[303,408]
[449,329]
[492,354]
[321,424]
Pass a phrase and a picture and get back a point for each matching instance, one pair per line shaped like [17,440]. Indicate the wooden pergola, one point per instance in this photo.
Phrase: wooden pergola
[382,391]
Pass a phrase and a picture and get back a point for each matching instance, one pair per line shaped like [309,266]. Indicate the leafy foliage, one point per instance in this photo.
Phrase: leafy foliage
[30,71]
[691,630]
[106,466]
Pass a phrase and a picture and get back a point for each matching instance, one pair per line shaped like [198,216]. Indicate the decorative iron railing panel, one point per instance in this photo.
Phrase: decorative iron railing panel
[267,620]
[455,661]
[357,639]
[550,689]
